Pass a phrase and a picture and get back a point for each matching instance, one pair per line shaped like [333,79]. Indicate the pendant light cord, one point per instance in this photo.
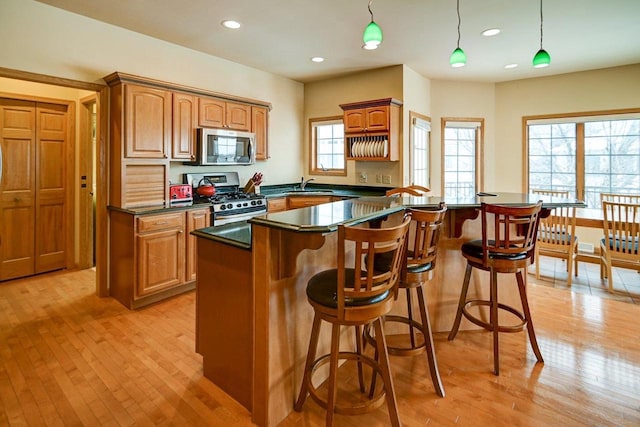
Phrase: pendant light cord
[540,24]
[458,9]
[369,7]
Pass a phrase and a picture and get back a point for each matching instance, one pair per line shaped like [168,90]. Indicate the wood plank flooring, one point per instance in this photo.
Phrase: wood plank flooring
[69,358]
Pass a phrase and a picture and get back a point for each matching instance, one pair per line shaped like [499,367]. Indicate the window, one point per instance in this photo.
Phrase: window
[327,146]
[462,151]
[585,155]
[419,152]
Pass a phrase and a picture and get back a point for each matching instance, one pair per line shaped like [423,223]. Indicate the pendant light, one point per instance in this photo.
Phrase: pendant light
[542,58]
[458,57]
[372,36]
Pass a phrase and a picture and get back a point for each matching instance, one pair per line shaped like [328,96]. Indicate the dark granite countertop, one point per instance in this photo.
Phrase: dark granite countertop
[282,190]
[150,210]
[327,217]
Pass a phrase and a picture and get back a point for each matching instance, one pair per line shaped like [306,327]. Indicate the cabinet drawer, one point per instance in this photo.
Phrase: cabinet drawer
[160,222]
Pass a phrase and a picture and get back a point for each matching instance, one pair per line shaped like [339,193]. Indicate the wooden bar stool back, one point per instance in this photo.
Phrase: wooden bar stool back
[355,294]
[507,246]
[412,190]
[418,269]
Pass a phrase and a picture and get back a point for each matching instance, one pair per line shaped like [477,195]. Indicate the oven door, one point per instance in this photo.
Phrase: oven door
[219,219]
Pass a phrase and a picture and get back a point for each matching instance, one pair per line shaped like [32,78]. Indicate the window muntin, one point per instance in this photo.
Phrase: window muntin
[327,146]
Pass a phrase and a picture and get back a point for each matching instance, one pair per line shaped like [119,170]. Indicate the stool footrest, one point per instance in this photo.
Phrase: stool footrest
[486,325]
[372,402]
[409,350]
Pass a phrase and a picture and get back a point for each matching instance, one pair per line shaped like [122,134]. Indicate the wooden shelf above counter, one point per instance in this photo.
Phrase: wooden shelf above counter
[372,129]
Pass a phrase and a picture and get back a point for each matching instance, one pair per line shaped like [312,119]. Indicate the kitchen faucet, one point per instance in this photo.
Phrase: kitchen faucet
[304,183]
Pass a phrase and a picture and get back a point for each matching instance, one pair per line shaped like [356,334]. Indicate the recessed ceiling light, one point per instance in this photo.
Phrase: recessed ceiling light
[317,59]
[491,32]
[234,25]
[511,66]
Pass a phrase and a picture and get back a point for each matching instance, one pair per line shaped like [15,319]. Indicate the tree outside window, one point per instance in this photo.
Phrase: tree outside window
[327,146]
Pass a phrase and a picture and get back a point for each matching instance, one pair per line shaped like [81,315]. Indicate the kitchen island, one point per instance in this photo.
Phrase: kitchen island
[253,318]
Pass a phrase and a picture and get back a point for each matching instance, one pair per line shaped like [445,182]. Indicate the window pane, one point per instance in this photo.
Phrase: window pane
[328,142]
[460,161]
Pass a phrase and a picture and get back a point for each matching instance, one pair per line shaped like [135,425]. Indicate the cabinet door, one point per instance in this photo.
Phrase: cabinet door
[354,120]
[160,260]
[196,219]
[238,116]
[211,112]
[147,122]
[277,205]
[306,201]
[185,121]
[259,126]
[377,118]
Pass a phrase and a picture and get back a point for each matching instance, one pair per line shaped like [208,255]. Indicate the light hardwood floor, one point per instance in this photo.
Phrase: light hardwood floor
[70,358]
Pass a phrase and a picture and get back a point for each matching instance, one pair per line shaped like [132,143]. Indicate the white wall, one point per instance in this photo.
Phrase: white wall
[46,40]
[323,99]
[463,100]
[417,99]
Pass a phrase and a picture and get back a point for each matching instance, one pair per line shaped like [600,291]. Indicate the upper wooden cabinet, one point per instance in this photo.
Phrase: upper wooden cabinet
[372,129]
[147,122]
[218,113]
[185,122]
[368,119]
[260,126]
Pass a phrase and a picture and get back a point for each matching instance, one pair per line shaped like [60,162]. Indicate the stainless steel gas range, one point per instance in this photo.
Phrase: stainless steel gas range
[229,203]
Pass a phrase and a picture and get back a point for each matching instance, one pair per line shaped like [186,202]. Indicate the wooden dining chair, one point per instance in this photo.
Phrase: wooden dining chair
[557,236]
[620,198]
[621,238]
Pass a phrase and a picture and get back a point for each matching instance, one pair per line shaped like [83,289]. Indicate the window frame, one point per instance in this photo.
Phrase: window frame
[314,168]
[579,118]
[479,163]
[413,117]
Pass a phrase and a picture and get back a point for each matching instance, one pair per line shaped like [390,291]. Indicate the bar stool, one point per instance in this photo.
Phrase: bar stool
[507,246]
[412,190]
[355,294]
[418,269]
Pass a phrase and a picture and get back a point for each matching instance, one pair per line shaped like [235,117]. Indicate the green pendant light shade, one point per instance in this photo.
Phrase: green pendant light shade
[372,36]
[458,58]
[542,58]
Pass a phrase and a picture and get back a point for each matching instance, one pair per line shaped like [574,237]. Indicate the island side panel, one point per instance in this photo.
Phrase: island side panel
[224,321]
[284,261]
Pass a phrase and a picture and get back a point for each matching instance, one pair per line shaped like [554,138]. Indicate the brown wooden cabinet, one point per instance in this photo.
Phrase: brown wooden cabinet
[295,202]
[260,126]
[160,253]
[147,122]
[372,130]
[197,218]
[185,122]
[140,132]
[277,204]
[152,256]
[218,113]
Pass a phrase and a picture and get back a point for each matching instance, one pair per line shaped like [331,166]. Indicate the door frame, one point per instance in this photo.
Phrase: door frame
[86,191]
[102,166]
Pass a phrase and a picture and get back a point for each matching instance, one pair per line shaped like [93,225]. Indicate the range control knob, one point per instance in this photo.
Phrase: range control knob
[223,207]
[229,206]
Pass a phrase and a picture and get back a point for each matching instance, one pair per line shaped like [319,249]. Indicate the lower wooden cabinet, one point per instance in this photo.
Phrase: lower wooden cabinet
[277,204]
[153,256]
[295,202]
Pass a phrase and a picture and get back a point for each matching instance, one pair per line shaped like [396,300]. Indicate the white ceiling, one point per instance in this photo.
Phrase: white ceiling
[280,36]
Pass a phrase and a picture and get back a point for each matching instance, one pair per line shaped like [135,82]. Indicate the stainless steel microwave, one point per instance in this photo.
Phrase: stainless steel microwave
[225,147]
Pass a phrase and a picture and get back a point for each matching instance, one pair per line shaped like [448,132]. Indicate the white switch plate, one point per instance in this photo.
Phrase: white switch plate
[363,177]
[386,179]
